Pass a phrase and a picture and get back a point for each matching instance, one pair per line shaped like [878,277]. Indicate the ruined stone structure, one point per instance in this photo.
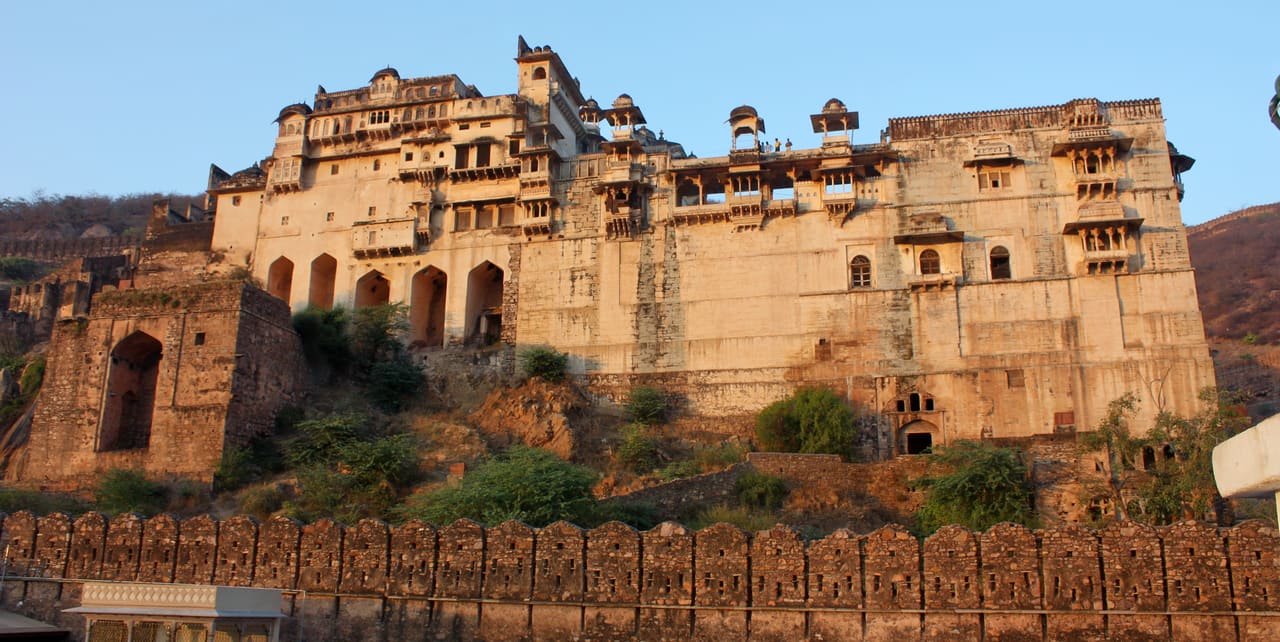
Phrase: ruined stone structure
[157,368]
[1185,582]
[1000,273]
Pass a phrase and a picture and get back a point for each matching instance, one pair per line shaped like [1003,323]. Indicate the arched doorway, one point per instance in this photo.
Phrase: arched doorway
[324,271]
[426,308]
[372,289]
[131,393]
[280,279]
[484,304]
[917,437]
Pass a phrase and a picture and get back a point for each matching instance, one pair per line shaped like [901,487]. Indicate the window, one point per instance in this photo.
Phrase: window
[838,183]
[235,201]
[485,124]
[373,237]
[372,210]
[860,272]
[199,338]
[464,126]
[328,216]
[482,155]
[540,73]
[377,164]
[284,220]
[379,117]
[930,262]
[462,219]
[993,179]
[333,169]
[1015,378]
[1000,263]
[408,156]
[460,156]
[513,147]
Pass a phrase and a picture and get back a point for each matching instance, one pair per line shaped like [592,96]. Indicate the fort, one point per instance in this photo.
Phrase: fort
[992,274]
[1189,581]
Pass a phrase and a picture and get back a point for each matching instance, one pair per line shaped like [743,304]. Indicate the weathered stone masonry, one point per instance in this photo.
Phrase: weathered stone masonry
[1189,581]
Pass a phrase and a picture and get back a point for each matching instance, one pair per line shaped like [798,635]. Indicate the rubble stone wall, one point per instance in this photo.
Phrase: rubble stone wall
[1190,581]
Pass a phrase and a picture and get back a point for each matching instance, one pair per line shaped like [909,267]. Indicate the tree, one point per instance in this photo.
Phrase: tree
[129,491]
[647,405]
[812,420]
[526,484]
[544,362]
[1167,474]
[983,486]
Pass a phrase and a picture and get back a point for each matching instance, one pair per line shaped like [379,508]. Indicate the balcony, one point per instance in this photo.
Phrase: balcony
[622,172]
[926,282]
[385,238]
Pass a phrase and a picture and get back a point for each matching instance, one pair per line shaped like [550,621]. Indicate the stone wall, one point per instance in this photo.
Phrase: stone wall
[1190,581]
[228,360]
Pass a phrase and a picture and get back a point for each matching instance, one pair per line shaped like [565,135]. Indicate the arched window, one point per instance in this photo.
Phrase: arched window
[1000,263]
[930,263]
[860,272]
[540,73]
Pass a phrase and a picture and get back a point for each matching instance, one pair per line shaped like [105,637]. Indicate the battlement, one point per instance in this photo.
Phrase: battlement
[1189,580]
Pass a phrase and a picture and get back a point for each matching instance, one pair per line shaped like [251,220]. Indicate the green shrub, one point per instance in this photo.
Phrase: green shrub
[32,376]
[526,484]
[129,491]
[13,268]
[375,333]
[812,420]
[680,470]
[716,457]
[758,490]
[647,405]
[638,450]
[543,362]
[319,441]
[984,485]
[392,382]
[262,501]
[638,515]
[248,463]
[748,519]
[13,500]
[324,337]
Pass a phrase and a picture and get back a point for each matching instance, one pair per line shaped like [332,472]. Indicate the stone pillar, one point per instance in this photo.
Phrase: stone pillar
[88,540]
[1196,575]
[891,557]
[1253,548]
[722,578]
[159,549]
[197,550]
[1072,584]
[509,567]
[613,577]
[237,551]
[459,573]
[124,543]
[1011,581]
[835,581]
[667,582]
[560,558]
[277,563]
[778,578]
[1133,569]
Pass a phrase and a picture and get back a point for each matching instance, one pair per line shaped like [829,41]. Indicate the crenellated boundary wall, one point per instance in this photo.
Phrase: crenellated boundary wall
[1186,582]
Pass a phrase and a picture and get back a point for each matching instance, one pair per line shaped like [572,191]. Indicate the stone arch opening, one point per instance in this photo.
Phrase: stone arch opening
[131,393]
[324,272]
[426,309]
[484,304]
[280,279]
[1000,268]
[917,437]
[373,289]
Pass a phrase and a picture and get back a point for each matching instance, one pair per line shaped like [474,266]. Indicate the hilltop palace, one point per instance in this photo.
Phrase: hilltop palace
[991,274]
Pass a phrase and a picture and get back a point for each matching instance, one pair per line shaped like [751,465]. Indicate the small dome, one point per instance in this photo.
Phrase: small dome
[622,101]
[253,171]
[300,109]
[743,111]
[386,71]
[834,106]
[592,104]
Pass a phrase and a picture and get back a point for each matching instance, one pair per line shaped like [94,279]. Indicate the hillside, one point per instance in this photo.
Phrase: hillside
[43,216]
[1237,261]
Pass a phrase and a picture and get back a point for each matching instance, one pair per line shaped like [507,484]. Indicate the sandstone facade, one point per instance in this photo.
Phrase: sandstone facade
[1000,273]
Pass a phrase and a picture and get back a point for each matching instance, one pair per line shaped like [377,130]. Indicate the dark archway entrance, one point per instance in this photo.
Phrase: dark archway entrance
[484,304]
[131,393]
[426,309]
[917,437]
[280,279]
[373,289]
[324,271]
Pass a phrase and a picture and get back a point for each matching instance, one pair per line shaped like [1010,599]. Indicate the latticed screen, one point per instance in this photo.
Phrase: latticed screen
[150,632]
[188,632]
[108,631]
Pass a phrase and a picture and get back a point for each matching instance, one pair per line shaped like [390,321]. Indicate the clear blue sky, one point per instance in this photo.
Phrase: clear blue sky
[136,97]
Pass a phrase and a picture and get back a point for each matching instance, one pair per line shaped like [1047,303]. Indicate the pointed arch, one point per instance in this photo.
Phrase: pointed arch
[280,279]
[324,272]
[131,393]
[426,306]
[373,289]
[484,303]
